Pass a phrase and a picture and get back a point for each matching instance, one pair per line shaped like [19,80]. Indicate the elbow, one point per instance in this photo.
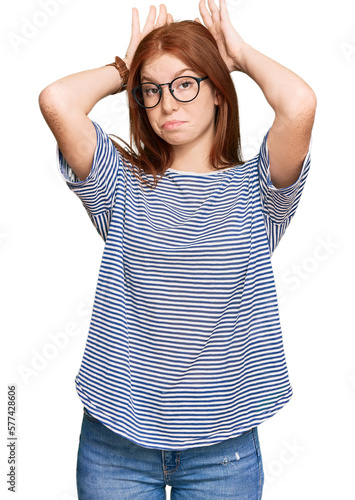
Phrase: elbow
[308,108]
[305,103]
[42,100]
[43,103]
[50,103]
[310,100]
[46,98]
[301,108]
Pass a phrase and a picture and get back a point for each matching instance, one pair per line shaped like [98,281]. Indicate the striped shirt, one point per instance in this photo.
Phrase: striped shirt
[184,347]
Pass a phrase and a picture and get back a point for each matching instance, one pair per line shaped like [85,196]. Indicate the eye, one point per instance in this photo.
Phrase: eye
[151,91]
[186,84]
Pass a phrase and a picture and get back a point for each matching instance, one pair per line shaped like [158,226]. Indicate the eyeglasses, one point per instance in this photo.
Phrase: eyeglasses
[182,88]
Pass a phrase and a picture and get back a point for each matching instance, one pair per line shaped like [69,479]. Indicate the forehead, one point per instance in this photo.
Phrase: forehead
[164,66]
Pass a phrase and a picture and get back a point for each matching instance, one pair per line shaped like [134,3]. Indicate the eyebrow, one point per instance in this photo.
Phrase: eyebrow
[145,77]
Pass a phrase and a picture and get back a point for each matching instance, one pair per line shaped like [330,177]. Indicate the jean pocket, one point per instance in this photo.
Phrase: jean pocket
[89,417]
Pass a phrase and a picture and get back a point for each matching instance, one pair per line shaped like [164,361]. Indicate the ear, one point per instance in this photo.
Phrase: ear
[217,97]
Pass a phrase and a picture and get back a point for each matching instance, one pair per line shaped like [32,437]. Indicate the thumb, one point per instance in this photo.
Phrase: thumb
[197,20]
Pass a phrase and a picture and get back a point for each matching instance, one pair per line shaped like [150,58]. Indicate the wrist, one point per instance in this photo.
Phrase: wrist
[121,66]
[128,62]
[240,61]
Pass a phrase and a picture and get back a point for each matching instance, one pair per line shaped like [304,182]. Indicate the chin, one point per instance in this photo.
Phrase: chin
[175,139]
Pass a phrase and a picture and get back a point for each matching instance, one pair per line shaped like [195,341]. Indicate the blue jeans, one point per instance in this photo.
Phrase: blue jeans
[111,467]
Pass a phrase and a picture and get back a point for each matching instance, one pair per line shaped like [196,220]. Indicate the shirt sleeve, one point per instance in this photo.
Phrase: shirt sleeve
[98,191]
[279,204]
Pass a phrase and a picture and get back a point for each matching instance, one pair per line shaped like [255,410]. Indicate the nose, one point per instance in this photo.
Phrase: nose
[168,102]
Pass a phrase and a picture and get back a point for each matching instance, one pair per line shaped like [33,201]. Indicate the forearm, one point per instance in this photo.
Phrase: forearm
[286,92]
[81,91]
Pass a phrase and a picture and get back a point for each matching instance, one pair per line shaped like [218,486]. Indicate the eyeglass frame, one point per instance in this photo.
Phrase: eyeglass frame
[198,80]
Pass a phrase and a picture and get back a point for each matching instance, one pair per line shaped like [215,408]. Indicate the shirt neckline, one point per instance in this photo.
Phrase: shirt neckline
[183,172]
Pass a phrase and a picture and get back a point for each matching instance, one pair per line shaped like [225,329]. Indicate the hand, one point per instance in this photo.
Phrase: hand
[230,43]
[137,35]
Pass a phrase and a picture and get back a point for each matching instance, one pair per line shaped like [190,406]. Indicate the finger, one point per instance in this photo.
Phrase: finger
[197,20]
[223,9]
[136,29]
[170,19]
[214,11]
[135,34]
[206,16]
[162,16]
[149,24]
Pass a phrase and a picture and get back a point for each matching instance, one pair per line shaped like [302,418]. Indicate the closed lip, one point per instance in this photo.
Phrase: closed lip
[172,124]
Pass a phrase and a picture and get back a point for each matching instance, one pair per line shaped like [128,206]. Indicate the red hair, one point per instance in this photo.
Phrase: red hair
[193,44]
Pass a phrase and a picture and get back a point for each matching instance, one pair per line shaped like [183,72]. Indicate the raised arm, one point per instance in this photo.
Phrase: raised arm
[65,105]
[291,98]
[66,102]
[294,104]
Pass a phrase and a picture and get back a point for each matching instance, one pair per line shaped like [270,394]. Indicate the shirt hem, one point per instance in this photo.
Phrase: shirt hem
[161,445]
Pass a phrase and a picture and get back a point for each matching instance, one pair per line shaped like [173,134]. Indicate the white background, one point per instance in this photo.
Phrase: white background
[50,252]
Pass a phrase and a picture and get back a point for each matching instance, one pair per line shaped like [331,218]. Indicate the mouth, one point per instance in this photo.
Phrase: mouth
[174,124]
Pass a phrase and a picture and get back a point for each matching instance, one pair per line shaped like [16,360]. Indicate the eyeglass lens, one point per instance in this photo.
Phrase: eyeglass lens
[184,89]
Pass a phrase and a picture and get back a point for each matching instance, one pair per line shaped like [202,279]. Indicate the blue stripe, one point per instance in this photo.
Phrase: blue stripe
[185,345]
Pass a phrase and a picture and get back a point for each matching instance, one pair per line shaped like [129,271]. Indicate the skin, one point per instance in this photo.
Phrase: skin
[192,139]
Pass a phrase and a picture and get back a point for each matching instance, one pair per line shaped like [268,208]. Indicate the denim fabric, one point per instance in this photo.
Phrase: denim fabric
[111,467]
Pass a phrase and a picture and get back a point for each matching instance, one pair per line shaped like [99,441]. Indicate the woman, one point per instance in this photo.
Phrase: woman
[184,357]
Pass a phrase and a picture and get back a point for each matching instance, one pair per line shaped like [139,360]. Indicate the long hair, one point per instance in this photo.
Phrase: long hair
[193,44]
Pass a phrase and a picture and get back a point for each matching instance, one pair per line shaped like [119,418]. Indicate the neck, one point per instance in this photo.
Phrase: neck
[192,158]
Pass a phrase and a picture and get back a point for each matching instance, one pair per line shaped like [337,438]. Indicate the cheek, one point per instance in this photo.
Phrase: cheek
[206,112]
[206,104]
[152,120]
